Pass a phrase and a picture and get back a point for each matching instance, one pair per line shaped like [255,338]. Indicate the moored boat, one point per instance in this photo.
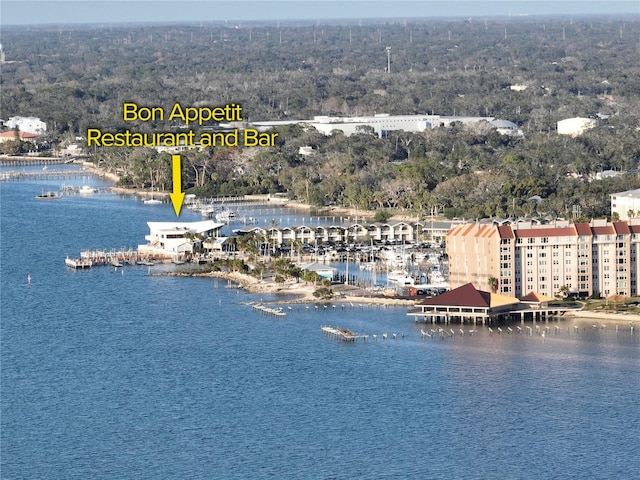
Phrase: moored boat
[49,196]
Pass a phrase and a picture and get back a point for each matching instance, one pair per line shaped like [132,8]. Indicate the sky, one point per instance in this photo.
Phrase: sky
[30,12]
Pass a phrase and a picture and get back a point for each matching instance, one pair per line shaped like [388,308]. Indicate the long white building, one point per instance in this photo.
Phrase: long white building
[382,124]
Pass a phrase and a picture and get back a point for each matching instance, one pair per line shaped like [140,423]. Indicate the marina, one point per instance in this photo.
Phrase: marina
[183,357]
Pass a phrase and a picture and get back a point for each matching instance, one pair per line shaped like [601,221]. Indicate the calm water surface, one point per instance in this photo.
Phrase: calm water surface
[118,374]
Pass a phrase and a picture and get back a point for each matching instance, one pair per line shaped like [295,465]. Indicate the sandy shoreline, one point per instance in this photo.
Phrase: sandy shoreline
[606,316]
[303,292]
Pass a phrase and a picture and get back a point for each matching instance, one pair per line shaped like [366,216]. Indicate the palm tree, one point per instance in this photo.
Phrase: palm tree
[493,284]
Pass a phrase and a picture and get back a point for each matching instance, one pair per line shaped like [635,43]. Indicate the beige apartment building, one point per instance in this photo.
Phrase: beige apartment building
[597,257]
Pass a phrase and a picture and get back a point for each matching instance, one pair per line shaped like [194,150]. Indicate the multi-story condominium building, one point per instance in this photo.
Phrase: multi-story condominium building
[599,257]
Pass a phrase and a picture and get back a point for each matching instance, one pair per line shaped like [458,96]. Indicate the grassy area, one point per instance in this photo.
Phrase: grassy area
[630,305]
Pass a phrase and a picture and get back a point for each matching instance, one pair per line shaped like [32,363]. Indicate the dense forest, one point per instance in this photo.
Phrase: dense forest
[76,78]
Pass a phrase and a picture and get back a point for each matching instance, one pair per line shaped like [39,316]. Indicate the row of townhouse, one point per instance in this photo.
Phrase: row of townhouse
[599,257]
[377,232]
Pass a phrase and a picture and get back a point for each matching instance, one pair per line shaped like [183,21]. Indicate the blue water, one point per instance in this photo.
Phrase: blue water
[118,374]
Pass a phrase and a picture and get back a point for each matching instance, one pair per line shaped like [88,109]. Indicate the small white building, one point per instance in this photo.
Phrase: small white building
[27,124]
[626,203]
[169,239]
[575,126]
[323,271]
[505,127]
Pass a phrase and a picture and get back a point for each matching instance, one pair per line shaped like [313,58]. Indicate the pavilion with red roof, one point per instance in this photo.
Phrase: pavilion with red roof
[468,303]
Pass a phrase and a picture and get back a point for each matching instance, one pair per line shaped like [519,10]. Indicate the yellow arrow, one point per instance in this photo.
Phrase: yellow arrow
[177,196]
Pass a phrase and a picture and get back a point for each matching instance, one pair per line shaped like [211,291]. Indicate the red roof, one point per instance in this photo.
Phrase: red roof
[23,135]
[465,296]
[608,230]
[583,229]
[546,232]
[506,232]
[621,228]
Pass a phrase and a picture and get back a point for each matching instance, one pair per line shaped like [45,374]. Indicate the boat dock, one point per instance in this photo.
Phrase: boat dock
[111,258]
[343,334]
[200,203]
[48,173]
[272,311]
[77,263]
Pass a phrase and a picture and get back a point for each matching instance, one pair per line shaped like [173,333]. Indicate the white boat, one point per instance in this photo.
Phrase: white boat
[87,190]
[225,216]
[400,276]
[152,201]
[208,212]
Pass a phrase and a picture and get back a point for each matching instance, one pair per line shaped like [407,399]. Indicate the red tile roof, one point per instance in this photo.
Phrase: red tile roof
[506,232]
[621,228]
[464,296]
[608,230]
[23,135]
[583,229]
[545,232]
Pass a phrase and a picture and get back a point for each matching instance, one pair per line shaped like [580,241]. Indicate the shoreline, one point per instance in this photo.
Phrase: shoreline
[294,204]
[606,317]
[305,292]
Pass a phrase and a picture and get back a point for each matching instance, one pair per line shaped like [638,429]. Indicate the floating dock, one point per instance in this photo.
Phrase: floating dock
[78,263]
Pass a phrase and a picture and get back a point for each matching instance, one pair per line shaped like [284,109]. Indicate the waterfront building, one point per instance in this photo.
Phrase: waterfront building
[468,303]
[394,232]
[169,239]
[595,258]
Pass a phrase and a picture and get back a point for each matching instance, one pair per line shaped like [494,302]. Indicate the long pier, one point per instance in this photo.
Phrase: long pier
[117,258]
[54,173]
[234,201]
[23,161]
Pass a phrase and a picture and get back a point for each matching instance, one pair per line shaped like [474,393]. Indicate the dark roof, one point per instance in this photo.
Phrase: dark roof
[583,229]
[545,232]
[465,296]
[621,228]
[505,231]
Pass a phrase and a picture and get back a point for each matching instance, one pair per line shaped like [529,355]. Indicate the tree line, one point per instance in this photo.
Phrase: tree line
[79,78]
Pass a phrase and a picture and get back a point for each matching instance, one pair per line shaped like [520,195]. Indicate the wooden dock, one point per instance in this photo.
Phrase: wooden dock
[110,258]
[272,311]
[343,334]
